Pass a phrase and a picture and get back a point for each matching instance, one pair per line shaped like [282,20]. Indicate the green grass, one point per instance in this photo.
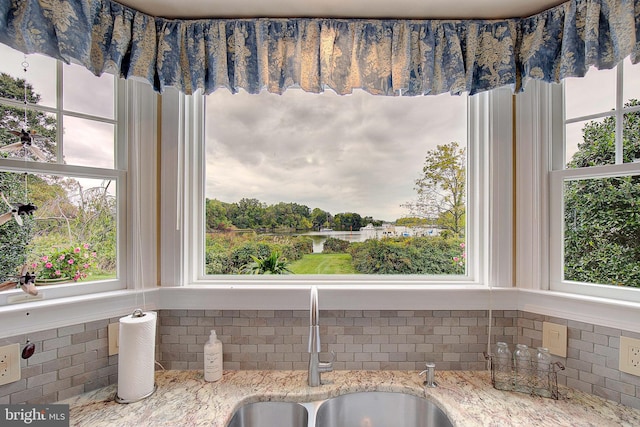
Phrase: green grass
[323,264]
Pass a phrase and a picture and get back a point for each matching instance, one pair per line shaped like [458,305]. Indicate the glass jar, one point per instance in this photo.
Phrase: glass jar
[502,369]
[543,369]
[522,361]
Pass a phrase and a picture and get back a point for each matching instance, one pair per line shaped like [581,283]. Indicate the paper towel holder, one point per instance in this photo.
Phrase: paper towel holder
[136,313]
[118,399]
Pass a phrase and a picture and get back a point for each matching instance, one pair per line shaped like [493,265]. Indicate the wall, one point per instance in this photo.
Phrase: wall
[67,361]
[74,359]
[592,357]
[374,339]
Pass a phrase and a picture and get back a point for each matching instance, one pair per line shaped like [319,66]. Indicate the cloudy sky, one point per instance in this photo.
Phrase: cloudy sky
[358,153]
[87,143]
[592,94]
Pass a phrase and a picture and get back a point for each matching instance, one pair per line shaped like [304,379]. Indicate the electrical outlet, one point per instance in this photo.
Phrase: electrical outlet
[9,363]
[630,355]
[113,332]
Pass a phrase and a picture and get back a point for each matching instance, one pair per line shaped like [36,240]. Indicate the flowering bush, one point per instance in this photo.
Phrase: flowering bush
[75,263]
[460,261]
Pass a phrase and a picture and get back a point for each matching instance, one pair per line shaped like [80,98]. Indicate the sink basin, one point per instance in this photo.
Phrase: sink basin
[380,409]
[269,414]
[363,409]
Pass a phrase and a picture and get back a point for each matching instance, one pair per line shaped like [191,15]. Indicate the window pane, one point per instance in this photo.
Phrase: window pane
[602,225]
[37,143]
[631,81]
[590,143]
[41,72]
[591,94]
[71,235]
[631,137]
[88,143]
[88,94]
[330,182]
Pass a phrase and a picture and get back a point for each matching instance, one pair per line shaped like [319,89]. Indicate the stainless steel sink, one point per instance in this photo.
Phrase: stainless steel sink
[363,409]
[380,409]
[270,414]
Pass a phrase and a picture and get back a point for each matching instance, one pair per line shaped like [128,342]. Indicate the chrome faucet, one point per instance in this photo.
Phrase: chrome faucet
[315,365]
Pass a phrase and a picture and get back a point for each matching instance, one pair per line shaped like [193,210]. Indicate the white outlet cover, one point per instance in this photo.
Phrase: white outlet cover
[9,363]
[554,337]
[113,332]
[630,355]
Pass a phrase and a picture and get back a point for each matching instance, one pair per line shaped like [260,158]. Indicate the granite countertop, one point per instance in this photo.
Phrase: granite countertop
[183,398]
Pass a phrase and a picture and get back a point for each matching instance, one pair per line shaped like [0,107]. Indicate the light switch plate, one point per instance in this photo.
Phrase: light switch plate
[630,355]
[554,337]
[113,332]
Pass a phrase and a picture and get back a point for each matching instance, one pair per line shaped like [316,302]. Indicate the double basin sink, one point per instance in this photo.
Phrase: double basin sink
[362,409]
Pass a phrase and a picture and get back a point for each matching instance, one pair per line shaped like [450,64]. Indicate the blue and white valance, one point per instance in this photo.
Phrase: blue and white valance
[411,57]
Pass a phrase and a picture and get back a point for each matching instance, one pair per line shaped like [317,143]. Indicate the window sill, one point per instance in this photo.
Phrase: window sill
[337,297]
[581,308]
[31,317]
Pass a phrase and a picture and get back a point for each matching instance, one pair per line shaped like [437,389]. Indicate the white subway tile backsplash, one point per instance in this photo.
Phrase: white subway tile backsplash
[74,359]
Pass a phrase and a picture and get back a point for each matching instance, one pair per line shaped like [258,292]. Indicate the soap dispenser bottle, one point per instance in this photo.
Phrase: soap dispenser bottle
[213,358]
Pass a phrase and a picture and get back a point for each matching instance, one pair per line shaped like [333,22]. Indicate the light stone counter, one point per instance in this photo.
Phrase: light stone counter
[183,398]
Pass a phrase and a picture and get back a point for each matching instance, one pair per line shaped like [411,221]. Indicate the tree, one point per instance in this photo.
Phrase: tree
[14,240]
[216,215]
[247,213]
[320,218]
[442,189]
[412,221]
[13,118]
[347,221]
[287,215]
[602,215]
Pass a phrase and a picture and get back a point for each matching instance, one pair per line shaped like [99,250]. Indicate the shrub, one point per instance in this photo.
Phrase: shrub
[408,255]
[335,246]
[242,255]
[75,262]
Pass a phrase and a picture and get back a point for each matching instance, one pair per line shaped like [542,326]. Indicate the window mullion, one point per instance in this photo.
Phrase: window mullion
[59,115]
[619,113]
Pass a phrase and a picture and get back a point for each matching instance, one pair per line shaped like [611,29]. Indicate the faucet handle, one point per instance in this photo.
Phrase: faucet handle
[327,366]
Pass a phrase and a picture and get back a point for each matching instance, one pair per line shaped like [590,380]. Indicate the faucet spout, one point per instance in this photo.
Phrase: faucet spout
[315,366]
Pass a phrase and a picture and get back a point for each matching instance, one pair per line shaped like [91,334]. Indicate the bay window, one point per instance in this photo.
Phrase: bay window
[262,168]
[62,150]
[324,184]
[595,186]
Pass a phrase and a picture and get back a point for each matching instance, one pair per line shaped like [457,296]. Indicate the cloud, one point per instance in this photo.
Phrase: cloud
[357,153]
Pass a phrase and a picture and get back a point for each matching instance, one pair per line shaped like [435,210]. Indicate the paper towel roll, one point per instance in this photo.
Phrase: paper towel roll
[137,343]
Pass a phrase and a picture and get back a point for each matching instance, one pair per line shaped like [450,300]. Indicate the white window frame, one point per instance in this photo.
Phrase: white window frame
[559,174]
[118,174]
[489,201]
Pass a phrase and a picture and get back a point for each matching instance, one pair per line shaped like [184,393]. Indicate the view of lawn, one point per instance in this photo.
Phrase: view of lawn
[323,264]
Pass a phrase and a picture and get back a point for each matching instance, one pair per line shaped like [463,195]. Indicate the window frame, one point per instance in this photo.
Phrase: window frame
[486,235]
[118,174]
[559,174]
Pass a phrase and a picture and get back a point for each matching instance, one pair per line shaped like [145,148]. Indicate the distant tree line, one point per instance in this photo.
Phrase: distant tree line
[256,215]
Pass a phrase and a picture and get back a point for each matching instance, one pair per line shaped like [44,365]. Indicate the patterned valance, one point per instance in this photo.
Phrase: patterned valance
[389,57]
